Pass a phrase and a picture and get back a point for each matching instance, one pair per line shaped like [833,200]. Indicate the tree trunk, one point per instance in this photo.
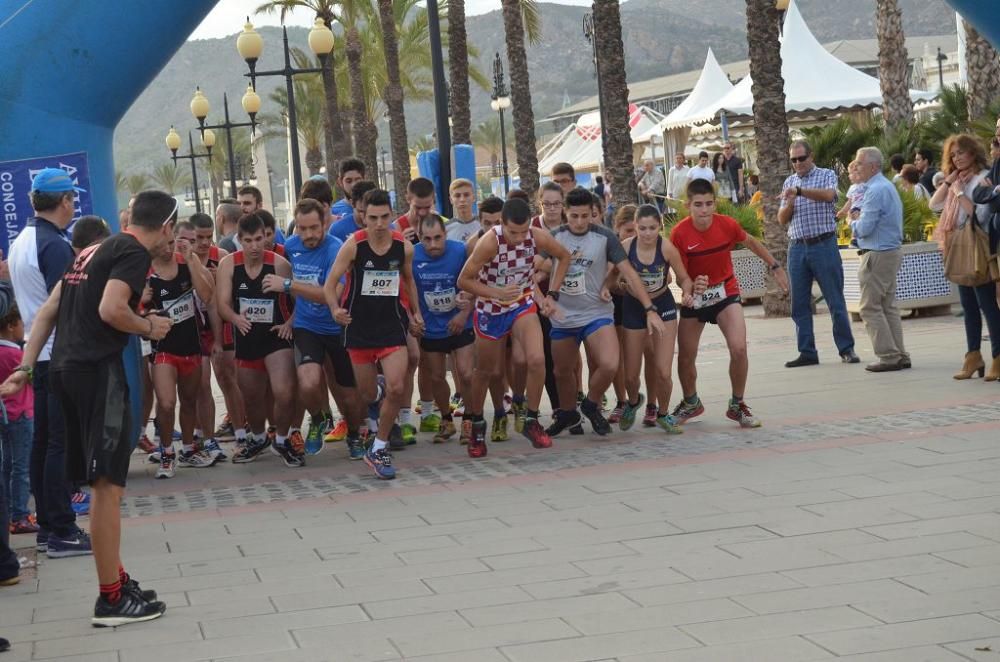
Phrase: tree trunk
[771,127]
[314,160]
[983,67]
[520,96]
[458,74]
[337,146]
[618,134]
[893,65]
[394,103]
[364,139]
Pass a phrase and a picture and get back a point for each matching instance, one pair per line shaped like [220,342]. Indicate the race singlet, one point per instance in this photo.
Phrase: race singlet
[257,311]
[380,284]
[711,296]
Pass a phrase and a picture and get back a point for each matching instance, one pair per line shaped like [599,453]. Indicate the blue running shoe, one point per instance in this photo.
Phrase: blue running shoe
[381,463]
[355,448]
[81,503]
[314,437]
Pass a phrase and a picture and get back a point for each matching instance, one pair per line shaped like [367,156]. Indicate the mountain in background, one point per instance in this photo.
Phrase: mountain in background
[661,37]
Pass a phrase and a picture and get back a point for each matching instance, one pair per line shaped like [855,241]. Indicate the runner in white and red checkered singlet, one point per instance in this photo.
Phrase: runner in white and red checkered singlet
[499,274]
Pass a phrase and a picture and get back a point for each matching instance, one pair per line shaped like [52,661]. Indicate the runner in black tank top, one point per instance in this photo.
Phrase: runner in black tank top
[373,295]
[262,310]
[176,298]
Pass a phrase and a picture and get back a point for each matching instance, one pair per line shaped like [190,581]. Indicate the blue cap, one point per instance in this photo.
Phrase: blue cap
[54,180]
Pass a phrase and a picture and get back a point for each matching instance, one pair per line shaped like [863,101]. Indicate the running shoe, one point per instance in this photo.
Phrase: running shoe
[408,433]
[293,455]
[649,419]
[225,431]
[145,445]
[75,544]
[430,423]
[195,459]
[629,412]
[338,433]
[580,397]
[685,411]
[380,462]
[214,450]
[168,464]
[604,402]
[396,442]
[314,437]
[26,524]
[80,501]
[446,432]
[740,412]
[132,586]
[466,434]
[577,430]
[616,413]
[272,434]
[456,401]
[131,608]
[477,443]
[563,420]
[42,540]
[519,411]
[296,441]
[355,448]
[597,421]
[499,432]
[537,435]
[250,450]
[668,424]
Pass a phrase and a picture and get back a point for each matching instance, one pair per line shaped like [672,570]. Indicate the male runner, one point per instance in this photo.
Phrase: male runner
[420,198]
[437,262]
[95,306]
[263,342]
[352,171]
[176,278]
[378,263]
[227,218]
[704,240]
[464,224]
[355,221]
[312,252]
[500,274]
[588,312]
[250,200]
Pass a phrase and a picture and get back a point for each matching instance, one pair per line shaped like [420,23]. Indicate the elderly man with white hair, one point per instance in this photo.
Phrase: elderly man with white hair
[652,184]
[879,231]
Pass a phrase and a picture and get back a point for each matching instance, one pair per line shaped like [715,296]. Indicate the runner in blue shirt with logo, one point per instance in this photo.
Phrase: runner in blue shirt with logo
[317,337]
[344,211]
[437,262]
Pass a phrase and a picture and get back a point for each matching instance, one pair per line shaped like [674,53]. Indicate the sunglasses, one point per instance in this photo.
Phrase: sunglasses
[170,216]
[800,159]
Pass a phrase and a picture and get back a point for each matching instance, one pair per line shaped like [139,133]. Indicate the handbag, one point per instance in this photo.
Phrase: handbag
[967,259]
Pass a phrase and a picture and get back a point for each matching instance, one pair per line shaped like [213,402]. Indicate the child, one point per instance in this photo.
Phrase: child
[16,424]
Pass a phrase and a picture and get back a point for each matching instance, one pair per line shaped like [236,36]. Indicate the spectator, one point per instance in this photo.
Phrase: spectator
[652,185]
[16,427]
[910,181]
[564,175]
[702,170]
[677,177]
[964,164]
[879,231]
[599,186]
[924,160]
[896,162]
[734,168]
[724,185]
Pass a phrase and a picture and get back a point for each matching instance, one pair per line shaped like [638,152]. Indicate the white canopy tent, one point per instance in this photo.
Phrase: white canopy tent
[580,143]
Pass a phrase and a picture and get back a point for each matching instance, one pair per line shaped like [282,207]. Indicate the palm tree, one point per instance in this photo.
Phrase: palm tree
[771,127]
[170,178]
[335,141]
[520,93]
[983,67]
[487,136]
[353,14]
[893,64]
[458,74]
[618,133]
[393,97]
[136,183]
[120,184]
[422,144]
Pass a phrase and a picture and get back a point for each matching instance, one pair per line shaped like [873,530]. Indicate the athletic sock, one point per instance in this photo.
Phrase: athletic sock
[378,445]
[199,433]
[188,448]
[372,424]
[112,592]
[122,575]
[241,434]
[426,408]
[691,399]
[405,416]
[280,440]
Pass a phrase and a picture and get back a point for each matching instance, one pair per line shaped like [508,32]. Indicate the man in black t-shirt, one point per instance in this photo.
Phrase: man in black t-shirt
[93,309]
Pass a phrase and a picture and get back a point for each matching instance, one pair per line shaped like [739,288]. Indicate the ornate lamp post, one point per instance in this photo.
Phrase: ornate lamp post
[250,45]
[174,143]
[200,108]
[500,102]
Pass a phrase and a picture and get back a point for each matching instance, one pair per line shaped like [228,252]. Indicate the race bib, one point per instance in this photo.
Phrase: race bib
[652,280]
[180,309]
[711,296]
[380,284]
[440,301]
[574,284]
[257,311]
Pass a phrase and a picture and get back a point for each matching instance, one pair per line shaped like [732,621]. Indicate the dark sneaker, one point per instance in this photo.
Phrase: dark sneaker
[563,420]
[850,357]
[24,525]
[477,443]
[76,544]
[314,436]
[740,412]
[649,418]
[802,360]
[577,430]
[355,448]
[380,462]
[685,411]
[133,587]
[629,412]
[289,454]
[250,450]
[195,459]
[130,609]
[597,421]
[537,435]
[42,540]
[396,441]
[214,450]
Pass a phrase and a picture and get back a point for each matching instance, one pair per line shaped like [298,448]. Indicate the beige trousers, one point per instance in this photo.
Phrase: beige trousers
[877,277]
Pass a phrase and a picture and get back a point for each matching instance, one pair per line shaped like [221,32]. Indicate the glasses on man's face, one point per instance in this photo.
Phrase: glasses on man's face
[800,159]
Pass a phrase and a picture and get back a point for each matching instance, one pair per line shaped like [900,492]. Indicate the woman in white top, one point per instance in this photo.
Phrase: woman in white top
[909,180]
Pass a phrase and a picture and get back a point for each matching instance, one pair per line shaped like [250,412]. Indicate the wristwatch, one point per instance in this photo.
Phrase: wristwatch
[798,190]
[288,285]
[28,370]
[775,266]
[554,295]
[651,308]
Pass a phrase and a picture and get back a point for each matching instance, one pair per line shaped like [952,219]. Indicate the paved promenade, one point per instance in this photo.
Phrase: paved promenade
[861,523]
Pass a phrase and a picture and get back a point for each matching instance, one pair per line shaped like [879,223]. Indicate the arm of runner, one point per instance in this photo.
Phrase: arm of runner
[41,329]
[115,311]
[416,319]
[468,280]
[343,262]
[201,278]
[547,243]
[638,290]
[673,257]
[224,298]
[777,270]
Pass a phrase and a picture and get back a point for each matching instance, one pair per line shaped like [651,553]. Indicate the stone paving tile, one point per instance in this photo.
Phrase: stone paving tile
[814,597]
[954,579]
[657,640]
[917,654]
[713,588]
[788,649]
[370,637]
[513,577]
[910,634]
[983,524]
[572,553]
[603,583]
[921,606]
[147,635]
[279,623]
[982,649]
[463,601]
[940,545]
[490,636]
[210,648]
[862,570]
[629,619]
[565,608]
[778,625]
[337,597]
[983,555]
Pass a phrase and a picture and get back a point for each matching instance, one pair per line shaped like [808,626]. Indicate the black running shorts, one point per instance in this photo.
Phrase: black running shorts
[313,347]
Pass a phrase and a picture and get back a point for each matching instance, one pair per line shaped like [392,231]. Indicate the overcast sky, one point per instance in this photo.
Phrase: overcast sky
[229,15]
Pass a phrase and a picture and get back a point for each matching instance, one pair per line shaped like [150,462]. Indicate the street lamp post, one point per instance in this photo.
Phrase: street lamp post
[941,57]
[590,32]
[440,106]
[250,45]
[501,102]
[200,108]
[382,172]
[174,143]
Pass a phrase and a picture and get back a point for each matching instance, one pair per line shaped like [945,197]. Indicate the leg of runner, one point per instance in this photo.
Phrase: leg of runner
[407,429]
[281,377]
[252,383]
[188,386]
[312,394]
[206,412]
[661,349]
[517,375]
[688,336]
[224,366]
[603,360]
[147,396]
[433,370]
[428,384]
[565,353]
[164,381]
[527,331]
[549,379]
[619,381]
[635,344]
[649,372]
[734,330]
[395,367]
[351,408]
[489,362]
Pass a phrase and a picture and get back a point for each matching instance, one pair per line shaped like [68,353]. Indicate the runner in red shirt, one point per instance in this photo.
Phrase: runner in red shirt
[704,240]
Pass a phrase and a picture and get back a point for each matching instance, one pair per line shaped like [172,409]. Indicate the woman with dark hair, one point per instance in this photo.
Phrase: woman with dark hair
[909,180]
[965,168]
[724,182]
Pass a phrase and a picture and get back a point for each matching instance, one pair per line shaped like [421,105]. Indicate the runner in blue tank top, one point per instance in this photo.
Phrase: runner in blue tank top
[437,262]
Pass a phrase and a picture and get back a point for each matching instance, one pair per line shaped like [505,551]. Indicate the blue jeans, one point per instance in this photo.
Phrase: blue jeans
[48,460]
[820,263]
[9,566]
[977,303]
[16,439]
